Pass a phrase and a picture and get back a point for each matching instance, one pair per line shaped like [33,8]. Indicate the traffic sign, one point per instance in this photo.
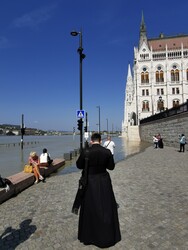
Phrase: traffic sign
[86,135]
[80,113]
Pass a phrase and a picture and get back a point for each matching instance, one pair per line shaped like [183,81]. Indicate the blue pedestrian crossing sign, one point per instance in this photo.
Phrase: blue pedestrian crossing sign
[80,113]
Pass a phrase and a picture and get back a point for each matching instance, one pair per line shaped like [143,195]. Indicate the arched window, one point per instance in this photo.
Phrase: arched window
[177,78]
[144,77]
[187,74]
[160,105]
[159,75]
[175,103]
[175,75]
[172,76]
[145,106]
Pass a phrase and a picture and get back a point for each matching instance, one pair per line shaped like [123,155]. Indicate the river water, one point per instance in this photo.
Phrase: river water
[13,158]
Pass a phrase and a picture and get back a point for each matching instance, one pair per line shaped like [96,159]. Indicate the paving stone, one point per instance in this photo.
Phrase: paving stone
[151,189]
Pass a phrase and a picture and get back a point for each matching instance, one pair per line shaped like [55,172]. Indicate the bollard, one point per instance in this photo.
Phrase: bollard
[77,151]
[67,156]
[73,153]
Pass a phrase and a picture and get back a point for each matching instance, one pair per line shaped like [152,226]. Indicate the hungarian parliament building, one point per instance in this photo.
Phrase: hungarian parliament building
[158,79]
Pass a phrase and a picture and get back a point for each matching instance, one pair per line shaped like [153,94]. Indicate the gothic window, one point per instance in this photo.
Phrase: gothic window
[144,77]
[175,75]
[145,106]
[175,103]
[143,92]
[160,105]
[147,91]
[172,76]
[159,75]
[187,74]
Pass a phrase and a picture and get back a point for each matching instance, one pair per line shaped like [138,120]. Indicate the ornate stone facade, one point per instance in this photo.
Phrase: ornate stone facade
[158,79]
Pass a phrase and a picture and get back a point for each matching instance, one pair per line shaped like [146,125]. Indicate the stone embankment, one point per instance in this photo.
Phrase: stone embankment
[21,181]
[170,129]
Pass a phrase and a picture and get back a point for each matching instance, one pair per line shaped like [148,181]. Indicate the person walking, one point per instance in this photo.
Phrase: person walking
[98,218]
[109,144]
[182,143]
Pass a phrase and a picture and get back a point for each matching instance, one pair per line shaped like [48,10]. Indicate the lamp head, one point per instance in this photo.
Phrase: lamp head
[74,33]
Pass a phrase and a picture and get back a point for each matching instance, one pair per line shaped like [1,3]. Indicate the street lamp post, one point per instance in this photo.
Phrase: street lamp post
[22,131]
[99,119]
[82,56]
[107,125]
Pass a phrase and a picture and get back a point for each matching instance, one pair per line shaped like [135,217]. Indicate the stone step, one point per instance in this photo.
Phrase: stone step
[21,180]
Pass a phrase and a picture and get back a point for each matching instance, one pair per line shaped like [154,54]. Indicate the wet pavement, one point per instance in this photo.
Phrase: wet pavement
[151,188]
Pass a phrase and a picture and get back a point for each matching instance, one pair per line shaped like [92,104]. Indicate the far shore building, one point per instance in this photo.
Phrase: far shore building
[158,79]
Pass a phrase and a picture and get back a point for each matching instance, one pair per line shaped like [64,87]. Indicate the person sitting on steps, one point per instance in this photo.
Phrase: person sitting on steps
[45,160]
[34,161]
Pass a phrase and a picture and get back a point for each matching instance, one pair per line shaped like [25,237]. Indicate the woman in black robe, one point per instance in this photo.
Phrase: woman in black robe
[98,220]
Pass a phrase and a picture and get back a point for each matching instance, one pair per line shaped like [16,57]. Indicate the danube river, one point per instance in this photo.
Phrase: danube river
[13,158]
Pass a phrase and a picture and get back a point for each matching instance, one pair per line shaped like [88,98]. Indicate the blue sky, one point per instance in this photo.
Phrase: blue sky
[39,63]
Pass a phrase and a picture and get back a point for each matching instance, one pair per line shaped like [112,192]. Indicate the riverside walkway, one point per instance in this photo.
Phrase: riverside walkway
[151,188]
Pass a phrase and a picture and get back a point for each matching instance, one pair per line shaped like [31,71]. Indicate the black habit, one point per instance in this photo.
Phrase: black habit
[98,220]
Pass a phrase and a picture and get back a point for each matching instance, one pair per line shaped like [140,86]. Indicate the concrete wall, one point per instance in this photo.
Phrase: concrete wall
[170,128]
[133,133]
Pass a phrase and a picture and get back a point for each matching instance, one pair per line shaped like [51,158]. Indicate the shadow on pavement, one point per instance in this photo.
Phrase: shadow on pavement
[11,237]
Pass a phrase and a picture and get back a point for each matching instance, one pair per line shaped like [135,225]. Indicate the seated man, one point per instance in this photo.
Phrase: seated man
[45,160]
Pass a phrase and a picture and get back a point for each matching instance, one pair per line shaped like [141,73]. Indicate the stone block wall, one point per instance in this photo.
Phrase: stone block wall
[170,128]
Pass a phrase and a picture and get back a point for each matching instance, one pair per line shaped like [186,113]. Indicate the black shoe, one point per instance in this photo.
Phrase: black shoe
[75,210]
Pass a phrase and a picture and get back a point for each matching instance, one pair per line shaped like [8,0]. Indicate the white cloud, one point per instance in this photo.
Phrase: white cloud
[34,18]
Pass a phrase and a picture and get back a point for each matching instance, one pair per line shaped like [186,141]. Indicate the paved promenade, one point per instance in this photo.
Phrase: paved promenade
[151,188]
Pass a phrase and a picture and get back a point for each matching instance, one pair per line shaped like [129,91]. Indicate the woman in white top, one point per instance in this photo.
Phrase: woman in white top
[109,145]
[45,159]
[155,141]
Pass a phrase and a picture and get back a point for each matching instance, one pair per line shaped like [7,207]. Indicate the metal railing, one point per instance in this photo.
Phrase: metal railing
[167,113]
